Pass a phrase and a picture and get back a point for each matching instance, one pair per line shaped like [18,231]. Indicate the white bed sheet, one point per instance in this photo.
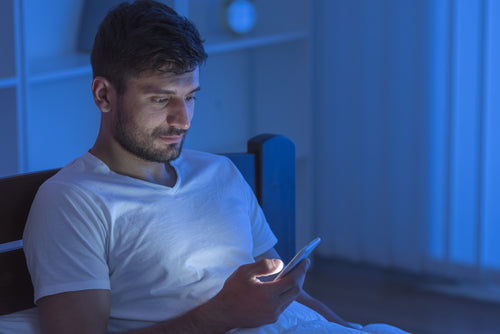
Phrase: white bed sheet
[296,319]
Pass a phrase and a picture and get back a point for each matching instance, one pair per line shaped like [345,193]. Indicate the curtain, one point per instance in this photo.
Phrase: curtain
[408,134]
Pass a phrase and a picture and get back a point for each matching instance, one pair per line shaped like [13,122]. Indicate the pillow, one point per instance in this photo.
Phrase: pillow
[22,322]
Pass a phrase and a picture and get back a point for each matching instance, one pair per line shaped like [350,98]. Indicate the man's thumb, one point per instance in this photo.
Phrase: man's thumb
[265,267]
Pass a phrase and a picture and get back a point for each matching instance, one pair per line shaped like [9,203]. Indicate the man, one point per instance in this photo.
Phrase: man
[137,237]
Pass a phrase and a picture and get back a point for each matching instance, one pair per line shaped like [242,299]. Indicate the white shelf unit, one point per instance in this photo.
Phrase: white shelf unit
[78,64]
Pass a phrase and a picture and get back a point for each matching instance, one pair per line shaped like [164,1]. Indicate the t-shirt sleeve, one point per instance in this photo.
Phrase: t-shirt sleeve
[263,237]
[65,241]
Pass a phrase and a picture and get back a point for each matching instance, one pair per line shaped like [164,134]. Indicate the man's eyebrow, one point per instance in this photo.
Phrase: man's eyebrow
[152,90]
[197,89]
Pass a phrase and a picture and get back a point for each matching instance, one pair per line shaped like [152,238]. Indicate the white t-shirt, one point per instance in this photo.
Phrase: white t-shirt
[161,251]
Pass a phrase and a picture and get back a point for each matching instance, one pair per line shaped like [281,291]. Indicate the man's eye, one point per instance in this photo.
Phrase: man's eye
[190,98]
[160,100]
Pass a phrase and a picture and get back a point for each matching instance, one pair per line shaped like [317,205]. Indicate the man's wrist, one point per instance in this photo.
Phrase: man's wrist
[210,319]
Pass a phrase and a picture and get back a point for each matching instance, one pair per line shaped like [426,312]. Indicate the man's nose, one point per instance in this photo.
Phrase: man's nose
[179,115]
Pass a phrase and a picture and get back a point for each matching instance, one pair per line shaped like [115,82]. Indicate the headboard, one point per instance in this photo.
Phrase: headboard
[268,166]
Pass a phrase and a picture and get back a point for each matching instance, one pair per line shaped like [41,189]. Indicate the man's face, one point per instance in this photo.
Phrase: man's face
[154,114]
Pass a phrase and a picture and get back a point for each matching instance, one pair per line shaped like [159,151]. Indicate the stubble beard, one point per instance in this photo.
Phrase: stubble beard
[142,145]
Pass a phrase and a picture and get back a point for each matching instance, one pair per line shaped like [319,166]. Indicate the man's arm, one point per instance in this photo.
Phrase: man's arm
[244,301]
[304,298]
[87,311]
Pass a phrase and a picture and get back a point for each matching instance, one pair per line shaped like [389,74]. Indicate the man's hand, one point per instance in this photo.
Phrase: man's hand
[245,301]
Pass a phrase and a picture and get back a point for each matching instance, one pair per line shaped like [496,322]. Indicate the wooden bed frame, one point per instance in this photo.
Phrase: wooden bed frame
[268,166]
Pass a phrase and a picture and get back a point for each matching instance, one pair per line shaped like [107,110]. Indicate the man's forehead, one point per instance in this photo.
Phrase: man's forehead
[156,78]
[169,75]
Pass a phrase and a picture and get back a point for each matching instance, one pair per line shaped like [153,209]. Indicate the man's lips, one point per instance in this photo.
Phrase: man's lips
[172,139]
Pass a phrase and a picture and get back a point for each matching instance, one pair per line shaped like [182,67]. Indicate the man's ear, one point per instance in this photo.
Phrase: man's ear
[104,93]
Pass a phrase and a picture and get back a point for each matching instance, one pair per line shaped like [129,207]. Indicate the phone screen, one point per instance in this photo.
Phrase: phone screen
[301,255]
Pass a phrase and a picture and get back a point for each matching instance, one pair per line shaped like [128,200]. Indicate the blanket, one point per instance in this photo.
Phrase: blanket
[297,319]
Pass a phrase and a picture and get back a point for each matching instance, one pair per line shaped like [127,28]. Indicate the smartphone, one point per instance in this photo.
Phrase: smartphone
[301,255]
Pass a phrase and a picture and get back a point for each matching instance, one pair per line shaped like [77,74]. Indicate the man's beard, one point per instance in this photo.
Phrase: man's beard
[142,145]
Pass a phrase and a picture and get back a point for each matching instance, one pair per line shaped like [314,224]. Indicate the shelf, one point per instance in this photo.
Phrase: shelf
[8,82]
[79,64]
[227,44]
[10,246]
[60,68]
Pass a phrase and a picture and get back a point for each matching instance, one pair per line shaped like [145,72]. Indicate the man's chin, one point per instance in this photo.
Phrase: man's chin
[174,156]
[173,153]
[162,156]
[173,150]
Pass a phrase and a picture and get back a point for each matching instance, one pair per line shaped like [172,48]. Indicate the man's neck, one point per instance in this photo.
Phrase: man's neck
[125,163]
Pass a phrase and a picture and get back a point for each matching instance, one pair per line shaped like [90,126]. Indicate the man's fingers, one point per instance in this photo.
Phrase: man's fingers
[294,279]
[251,302]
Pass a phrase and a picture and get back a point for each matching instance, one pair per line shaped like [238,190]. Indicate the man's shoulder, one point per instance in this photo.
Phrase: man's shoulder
[194,157]
[203,164]
[77,171]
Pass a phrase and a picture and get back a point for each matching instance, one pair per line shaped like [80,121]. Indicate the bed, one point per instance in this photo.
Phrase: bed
[268,166]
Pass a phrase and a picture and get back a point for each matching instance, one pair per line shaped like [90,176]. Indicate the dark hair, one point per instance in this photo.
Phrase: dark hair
[144,36]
